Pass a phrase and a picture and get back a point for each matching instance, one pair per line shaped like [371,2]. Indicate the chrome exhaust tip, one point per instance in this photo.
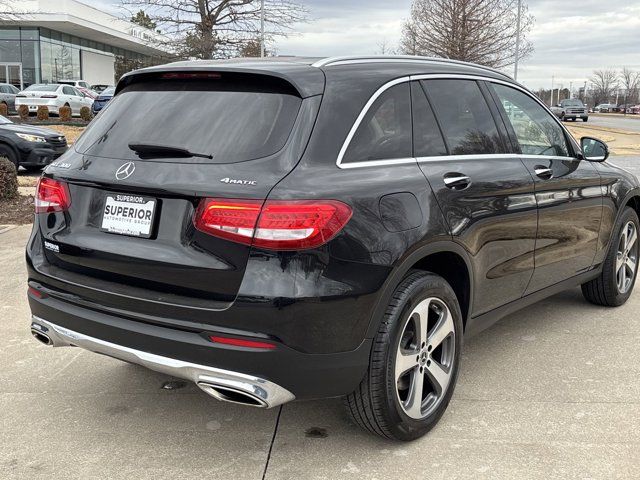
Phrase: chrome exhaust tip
[41,337]
[232,395]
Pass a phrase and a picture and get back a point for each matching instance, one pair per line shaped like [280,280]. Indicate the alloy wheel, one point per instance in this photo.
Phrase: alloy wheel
[424,358]
[627,258]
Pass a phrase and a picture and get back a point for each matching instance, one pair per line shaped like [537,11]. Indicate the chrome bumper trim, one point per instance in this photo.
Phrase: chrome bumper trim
[267,393]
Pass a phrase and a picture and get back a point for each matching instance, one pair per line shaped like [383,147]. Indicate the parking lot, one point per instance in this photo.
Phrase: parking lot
[550,392]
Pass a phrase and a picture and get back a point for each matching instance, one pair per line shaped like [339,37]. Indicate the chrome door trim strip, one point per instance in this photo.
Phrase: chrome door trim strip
[436,76]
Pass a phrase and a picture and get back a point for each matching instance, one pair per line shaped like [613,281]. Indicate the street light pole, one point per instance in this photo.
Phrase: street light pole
[261,28]
[515,68]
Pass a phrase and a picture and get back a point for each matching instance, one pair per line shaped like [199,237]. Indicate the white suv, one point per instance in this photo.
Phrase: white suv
[76,83]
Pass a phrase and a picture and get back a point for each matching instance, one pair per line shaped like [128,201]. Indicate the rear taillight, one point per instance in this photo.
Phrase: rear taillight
[274,225]
[49,96]
[52,196]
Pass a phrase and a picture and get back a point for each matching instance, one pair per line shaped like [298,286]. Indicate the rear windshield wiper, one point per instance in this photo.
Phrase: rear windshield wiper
[152,150]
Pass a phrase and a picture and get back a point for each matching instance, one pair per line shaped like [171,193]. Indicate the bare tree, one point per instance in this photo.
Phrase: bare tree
[206,29]
[630,80]
[605,83]
[478,31]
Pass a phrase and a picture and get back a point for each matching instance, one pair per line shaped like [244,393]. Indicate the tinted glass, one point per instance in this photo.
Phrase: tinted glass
[571,103]
[233,121]
[385,131]
[68,91]
[537,131]
[464,116]
[108,91]
[42,88]
[427,139]
[4,89]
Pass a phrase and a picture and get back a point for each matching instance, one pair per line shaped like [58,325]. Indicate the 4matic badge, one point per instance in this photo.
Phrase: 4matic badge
[239,182]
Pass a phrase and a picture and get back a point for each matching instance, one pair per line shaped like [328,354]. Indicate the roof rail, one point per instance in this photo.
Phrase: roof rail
[345,60]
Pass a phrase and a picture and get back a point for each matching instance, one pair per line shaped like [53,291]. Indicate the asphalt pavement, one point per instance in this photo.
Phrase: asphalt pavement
[552,392]
[614,120]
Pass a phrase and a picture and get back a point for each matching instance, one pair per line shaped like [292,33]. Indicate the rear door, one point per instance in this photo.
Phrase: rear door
[486,195]
[70,97]
[130,232]
[567,189]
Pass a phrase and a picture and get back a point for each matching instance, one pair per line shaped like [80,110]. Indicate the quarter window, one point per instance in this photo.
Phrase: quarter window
[427,139]
[68,91]
[385,131]
[464,115]
[536,130]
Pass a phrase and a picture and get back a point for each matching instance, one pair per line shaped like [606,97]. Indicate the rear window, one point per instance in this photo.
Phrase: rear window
[42,88]
[109,91]
[233,119]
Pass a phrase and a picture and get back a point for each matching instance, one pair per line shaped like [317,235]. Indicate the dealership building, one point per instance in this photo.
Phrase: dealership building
[44,41]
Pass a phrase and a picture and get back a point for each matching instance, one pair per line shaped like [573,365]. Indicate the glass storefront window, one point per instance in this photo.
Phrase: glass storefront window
[47,61]
[30,62]
[10,50]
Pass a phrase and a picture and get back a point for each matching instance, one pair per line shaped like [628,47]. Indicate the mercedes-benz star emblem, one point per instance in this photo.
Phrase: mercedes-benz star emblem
[125,170]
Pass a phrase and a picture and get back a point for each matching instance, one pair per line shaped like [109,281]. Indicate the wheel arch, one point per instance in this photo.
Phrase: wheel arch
[633,201]
[9,144]
[445,258]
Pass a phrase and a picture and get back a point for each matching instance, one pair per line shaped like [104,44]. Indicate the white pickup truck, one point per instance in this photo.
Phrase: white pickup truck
[571,109]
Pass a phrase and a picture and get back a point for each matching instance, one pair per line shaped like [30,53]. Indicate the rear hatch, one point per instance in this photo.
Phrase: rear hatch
[137,175]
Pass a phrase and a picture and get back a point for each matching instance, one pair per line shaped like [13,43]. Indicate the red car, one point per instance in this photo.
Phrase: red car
[89,93]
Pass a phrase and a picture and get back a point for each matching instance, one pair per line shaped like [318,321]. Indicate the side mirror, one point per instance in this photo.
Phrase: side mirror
[593,149]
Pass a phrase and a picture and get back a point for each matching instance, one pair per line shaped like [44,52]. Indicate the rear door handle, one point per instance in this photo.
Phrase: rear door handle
[456,181]
[543,172]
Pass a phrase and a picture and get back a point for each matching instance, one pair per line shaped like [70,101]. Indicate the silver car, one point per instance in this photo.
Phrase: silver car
[8,96]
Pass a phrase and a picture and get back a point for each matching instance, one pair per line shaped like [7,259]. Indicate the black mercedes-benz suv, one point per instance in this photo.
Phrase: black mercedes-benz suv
[302,228]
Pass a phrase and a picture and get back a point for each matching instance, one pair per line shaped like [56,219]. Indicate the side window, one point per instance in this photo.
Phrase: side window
[537,131]
[427,139]
[83,84]
[68,90]
[3,89]
[385,131]
[464,116]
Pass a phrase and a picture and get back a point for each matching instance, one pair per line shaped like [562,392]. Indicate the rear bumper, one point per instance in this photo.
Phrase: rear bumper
[264,393]
[275,376]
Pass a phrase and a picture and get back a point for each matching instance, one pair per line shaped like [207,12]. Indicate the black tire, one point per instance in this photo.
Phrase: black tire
[604,290]
[8,152]
[375,405]
[585,119]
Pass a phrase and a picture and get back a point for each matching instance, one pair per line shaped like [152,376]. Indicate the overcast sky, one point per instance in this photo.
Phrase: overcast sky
[571,37]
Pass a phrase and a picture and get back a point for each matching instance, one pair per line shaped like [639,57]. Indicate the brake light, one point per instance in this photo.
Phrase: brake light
[274,225]
[190,76]
[52,196]
[239,342]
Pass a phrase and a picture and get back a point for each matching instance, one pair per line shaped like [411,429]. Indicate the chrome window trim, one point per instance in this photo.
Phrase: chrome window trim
[436,76]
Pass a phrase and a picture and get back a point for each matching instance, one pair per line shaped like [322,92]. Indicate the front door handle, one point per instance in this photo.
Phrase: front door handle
[456,181]
[543,172]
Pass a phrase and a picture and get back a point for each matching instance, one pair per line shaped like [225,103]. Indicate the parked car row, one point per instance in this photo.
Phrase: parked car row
[74,94]
[613,108]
